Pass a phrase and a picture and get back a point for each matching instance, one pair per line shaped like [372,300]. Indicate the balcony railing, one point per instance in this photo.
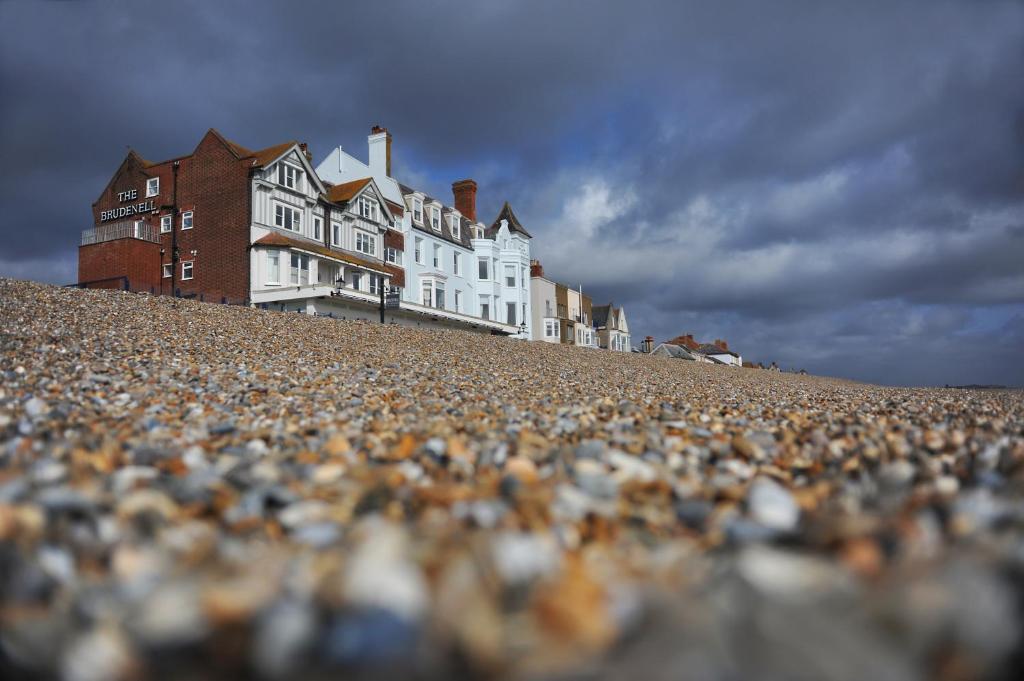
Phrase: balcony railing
[135,229]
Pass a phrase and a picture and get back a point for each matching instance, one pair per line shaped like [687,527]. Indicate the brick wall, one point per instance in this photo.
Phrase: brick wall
[213,183]
[100,265]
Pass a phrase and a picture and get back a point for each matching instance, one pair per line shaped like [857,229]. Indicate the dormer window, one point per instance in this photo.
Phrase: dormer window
[478,232]
[435,218]
[417,211]
[456,226]
[367,208]
[288,176]
[152,186]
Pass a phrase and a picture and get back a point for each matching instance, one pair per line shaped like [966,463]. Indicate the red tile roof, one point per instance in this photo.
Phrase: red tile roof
[275,239]
[342,193]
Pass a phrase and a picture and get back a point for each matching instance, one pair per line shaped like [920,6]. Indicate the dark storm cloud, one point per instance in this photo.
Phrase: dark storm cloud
[836,186]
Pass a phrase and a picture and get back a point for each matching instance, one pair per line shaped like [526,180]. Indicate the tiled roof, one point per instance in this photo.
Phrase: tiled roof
[397,275]
[276,239]
[271,154]
[676,351]
[712,349]
[684,341]
[262,156]
[513,223]
[343,193]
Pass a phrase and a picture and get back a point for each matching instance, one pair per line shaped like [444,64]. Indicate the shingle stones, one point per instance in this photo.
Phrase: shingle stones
[200,491]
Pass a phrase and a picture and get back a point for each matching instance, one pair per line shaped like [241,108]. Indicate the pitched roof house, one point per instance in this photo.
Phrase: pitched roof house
[612,329]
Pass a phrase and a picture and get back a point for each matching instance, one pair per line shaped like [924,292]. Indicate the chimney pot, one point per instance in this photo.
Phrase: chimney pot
[536,270]
[464,192]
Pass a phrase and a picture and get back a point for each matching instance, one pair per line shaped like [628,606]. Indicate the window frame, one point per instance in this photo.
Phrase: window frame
[286,209]
[167,220]
[438,252]
[166,270]
[273,278]
[457,300]
[418,253]
[156,190]
[368,208]
[435,218]
[456,227]
[337,234]
[392,255]
[318,227]
[191,270]
[190,216]
[456,257]
[295,273]
[513,278]
[486,264]
[366,243]
[510,308]
[417,210]
[282,176]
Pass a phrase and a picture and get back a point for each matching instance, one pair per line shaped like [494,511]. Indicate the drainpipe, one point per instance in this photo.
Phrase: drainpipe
[174,227]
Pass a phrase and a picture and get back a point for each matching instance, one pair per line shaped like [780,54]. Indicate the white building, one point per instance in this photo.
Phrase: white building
[456,271]
[312,249]
[612,329]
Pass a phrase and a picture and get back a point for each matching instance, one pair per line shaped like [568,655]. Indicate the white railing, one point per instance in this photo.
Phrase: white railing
[135,229]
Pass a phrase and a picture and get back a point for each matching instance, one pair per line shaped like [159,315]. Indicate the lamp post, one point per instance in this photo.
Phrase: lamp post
[522,329]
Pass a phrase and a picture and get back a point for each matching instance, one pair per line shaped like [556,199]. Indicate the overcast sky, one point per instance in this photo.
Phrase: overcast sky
[834,186]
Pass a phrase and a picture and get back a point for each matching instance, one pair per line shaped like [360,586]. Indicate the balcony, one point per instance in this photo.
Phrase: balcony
[134,229]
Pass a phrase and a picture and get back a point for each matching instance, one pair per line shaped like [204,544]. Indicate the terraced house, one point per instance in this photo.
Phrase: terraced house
[560,314]
[456,270]
[228,224]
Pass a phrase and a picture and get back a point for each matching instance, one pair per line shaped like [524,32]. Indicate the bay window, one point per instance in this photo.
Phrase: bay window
[300,269]
[273,267]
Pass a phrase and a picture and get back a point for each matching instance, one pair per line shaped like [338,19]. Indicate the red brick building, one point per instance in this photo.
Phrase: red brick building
[178,226]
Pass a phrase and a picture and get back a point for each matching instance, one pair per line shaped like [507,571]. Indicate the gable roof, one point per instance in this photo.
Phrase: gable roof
[344,192]
[675,351]
[599,313]
[514,225]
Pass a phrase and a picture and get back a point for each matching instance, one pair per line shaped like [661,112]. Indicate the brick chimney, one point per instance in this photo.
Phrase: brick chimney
[536,270]
[648,344]
[379,142]
[465,198]
[721,343]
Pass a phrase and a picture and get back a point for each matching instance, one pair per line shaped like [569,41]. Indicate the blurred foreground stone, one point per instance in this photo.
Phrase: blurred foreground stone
[193,491]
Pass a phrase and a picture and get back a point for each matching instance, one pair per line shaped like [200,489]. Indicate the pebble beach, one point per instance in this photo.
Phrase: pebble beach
[200,491]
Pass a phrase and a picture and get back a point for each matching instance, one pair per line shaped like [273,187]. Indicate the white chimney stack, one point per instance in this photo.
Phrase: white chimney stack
[379,143]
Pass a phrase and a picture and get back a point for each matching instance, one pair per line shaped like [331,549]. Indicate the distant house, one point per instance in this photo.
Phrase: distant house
[719,350]
[560,314]
[673,351]
[612,329]
[714,353]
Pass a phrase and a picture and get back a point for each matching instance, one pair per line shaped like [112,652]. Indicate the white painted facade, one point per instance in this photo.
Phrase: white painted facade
[315,250]
[443,252]
[544,307]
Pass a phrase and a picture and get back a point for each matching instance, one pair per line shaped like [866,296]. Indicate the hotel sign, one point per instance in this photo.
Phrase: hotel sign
[130,209]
